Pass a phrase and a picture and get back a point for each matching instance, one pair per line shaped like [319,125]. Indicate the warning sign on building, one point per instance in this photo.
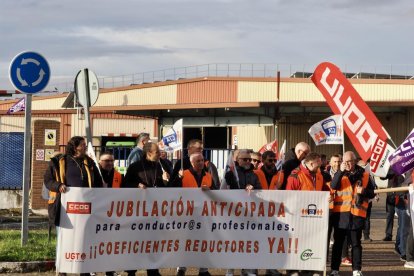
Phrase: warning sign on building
[40,154]
[49,154]
[50,137]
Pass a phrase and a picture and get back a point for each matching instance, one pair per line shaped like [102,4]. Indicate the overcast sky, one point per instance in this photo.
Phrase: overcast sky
[115,38]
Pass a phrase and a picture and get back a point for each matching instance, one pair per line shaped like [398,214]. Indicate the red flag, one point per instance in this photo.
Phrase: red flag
[361,125]
[272,146]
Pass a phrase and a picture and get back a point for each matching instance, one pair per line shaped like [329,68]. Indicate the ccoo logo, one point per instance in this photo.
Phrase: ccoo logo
[78,208]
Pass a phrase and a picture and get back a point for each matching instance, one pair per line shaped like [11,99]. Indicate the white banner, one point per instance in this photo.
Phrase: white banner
[121,229]
[328,131]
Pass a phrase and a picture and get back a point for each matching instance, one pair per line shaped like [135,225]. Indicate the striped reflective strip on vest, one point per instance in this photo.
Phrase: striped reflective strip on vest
[345,198]
[52,195]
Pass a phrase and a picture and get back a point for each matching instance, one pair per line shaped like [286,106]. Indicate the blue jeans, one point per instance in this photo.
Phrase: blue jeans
[402,231]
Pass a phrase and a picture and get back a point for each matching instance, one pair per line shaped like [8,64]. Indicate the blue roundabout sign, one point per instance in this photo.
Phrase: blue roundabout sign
[29,72]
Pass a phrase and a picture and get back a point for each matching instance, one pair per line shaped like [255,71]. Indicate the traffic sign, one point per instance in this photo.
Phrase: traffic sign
[29,72]
[86,87]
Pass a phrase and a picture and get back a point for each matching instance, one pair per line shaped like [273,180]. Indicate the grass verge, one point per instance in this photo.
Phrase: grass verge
[36,249]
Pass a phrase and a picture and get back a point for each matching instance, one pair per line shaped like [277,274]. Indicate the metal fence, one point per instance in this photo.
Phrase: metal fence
[11,170]
[386,71]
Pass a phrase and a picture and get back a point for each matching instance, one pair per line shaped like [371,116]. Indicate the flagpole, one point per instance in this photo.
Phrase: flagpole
[182,145]
[343,136]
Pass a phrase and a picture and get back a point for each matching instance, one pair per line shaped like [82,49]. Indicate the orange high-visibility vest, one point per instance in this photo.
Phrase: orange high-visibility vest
[52,195]
[116,181]
[306,183]
[189,180]
[345,199]
[275,183]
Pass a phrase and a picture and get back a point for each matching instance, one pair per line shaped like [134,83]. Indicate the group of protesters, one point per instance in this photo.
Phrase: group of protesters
[350,186]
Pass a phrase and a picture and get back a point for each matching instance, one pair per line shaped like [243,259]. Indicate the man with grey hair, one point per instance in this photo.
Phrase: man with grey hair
[354,188]
[194,146]
[293,159]
[136,154]
[195,176]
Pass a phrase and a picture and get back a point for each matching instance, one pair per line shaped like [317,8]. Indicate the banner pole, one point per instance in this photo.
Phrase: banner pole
[391,190]
[343,137]
[182,145]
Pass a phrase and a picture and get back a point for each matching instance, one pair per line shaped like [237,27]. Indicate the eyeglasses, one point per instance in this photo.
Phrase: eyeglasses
[255,160]
[271,160]
[108,160]
[246,159]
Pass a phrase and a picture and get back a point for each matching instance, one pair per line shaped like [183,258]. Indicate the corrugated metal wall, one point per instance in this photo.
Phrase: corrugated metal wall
[47,104]
[210,91]
[253,137]
[103,126]
[295,129]
[11,123]
[15,123]
[385,92]
[144,96]
[249,91]
[300,92]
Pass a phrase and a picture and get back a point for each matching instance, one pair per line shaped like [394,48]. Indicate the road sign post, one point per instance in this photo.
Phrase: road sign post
[87,91]
[29,73]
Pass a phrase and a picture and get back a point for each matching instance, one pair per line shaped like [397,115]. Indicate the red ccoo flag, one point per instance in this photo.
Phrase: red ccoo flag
[272,146]
[361,125]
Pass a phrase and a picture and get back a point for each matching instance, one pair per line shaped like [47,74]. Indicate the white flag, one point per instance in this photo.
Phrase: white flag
[281,157]
[19,106]
[173,139]
[328,131]
[230,166]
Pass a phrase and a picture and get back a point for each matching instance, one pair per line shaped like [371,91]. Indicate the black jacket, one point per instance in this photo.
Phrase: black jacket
[145,172]
[52,180]
[246,176]
[291,163]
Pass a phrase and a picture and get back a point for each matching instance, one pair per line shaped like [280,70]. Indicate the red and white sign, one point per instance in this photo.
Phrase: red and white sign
[361,125]
[40,154]
[78,207]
